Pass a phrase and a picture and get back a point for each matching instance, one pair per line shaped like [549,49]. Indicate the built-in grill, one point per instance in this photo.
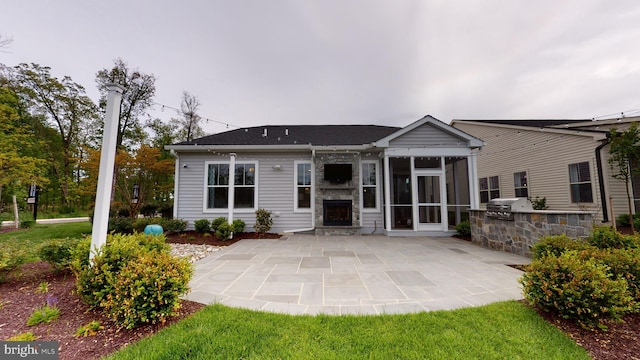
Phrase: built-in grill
[504,208]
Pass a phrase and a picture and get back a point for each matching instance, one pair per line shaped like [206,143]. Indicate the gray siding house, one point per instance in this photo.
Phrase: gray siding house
[564,161]
[331,179]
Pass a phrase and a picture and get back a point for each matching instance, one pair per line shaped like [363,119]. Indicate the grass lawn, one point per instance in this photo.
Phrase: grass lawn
[32,238]
[506,330]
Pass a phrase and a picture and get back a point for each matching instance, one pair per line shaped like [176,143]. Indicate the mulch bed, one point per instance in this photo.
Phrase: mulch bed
[19,297]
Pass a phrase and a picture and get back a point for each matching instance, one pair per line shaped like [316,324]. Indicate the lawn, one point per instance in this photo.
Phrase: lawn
[506,330]
[31,238]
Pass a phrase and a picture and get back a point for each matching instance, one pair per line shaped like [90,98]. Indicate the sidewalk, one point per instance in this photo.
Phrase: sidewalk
[50,221]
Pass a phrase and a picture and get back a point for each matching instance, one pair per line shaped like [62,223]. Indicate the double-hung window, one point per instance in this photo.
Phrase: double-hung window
[370,181]
[489,188]
[580,182]
[520,184]
[302,189]
[218,185]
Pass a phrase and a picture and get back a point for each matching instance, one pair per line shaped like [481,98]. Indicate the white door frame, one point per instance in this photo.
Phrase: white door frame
[442,226]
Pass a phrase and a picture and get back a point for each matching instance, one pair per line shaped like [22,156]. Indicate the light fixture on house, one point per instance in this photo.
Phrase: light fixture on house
[277,167]
[185,166]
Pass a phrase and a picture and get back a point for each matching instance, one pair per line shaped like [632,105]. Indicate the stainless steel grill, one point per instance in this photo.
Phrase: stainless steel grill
[504,208]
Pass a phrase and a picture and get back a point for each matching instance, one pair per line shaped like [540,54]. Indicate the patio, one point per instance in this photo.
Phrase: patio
[336,275]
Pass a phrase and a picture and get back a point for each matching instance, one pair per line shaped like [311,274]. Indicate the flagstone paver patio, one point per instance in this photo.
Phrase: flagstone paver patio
[309,274]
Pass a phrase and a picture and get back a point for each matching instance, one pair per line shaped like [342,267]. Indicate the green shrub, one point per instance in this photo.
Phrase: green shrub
[623,220]
[238,226]
[202,225]
[57,252]
[555,245]
[623,263]
[12,255]
[148,289]
[26,224]
[263,221]
[464,228]
[606,237]
[121,225]
[94,283]
[173,225]
[216,222]
[223,231]
[134,278]
[575,288]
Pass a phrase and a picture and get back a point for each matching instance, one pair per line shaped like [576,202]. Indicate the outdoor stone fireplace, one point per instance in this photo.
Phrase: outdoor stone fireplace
[337,208]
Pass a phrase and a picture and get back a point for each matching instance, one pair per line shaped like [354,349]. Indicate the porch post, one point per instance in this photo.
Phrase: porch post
[474,195]
[232,183]
[387,193]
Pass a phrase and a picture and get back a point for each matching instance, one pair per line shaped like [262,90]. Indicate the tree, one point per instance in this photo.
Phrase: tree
[66,109]
[18,168]
[137,98]
[143,168]
[190,121]
[5,41]
[623,152]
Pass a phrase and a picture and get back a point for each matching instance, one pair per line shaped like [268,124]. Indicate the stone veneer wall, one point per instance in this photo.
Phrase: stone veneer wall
[518,235]
[328,191]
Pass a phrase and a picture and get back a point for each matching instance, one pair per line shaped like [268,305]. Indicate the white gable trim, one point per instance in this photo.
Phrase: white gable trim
[470,140]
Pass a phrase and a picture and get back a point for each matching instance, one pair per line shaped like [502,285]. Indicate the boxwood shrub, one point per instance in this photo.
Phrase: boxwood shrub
[202,225]
[57,252]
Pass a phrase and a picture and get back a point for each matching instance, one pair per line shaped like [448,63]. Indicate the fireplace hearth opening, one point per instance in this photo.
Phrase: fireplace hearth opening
[337,213]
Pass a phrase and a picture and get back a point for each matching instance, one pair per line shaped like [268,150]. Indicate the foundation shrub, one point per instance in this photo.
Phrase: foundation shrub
[263,221]
[173,225]
[464,228]
[202,225]
[623,220]
[215,223]
[140,223]
[223,231]
[555,245]
[606,237]
[238,226]
[576,288]
[148,289]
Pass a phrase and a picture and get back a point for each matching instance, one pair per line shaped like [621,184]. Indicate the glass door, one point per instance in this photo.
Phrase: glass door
[428,205]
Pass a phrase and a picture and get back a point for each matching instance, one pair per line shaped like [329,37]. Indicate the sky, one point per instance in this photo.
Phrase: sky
[382,62]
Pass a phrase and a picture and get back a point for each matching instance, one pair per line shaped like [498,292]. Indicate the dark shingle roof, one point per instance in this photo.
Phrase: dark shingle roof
[533,123]
[318,135]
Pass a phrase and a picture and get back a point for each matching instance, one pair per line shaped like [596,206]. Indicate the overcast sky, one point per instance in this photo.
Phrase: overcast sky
[386,62]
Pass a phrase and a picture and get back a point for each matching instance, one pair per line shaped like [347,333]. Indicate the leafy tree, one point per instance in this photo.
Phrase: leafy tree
[17,167]
[190,121]
[66,109]
[623,152]
[163,134]
[144,168]
[137,98]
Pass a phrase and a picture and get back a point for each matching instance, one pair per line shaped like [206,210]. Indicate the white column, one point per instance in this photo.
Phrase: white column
[474,195]
[232,182]
[387,194]
[105,175]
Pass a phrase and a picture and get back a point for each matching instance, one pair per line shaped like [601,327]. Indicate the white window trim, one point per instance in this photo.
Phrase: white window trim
[591,183]
[207,210]
[377,209]
[296,209]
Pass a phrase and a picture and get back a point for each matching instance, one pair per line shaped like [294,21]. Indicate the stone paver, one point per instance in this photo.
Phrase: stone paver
[337,275]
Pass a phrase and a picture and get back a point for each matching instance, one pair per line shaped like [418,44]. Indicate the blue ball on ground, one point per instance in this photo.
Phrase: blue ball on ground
[153,229]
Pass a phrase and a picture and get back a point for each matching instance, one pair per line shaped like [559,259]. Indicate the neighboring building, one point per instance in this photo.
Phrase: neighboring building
[331,179]
[564,161]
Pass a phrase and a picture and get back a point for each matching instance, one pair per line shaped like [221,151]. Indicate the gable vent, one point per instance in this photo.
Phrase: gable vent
[264,134]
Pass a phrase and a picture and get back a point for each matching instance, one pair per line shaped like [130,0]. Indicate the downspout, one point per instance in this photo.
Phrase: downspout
[176,182]
[230,200]
[603,196]
[313,198]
